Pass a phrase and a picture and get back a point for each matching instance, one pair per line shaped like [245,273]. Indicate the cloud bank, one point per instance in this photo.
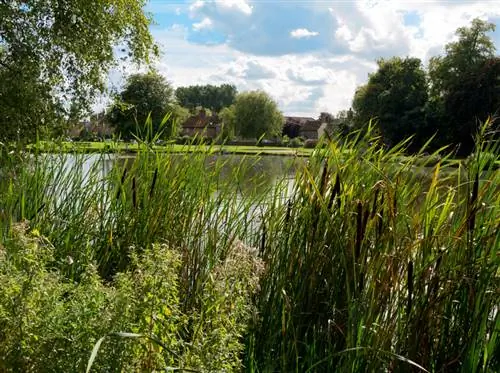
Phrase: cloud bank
[310,56]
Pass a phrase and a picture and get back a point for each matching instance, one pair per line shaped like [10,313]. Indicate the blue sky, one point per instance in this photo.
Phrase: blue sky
[308,55]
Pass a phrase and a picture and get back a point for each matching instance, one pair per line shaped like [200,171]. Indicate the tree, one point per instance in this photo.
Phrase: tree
[257,115]
[465,86]
[395,95]
[228,120]
[472,49]
[144,95]
[208,96]
[54,53]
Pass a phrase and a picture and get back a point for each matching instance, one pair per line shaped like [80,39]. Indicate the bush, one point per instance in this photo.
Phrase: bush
[296,142]
[49,324]
[310,143]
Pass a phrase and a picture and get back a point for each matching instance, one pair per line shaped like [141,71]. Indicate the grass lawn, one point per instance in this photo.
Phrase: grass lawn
[98,147]
[123,147]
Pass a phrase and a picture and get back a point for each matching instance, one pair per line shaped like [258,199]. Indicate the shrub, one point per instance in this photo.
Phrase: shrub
[48,323]
[310,143]
[296,142]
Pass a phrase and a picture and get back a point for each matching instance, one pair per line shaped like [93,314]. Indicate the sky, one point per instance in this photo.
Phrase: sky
[309,55]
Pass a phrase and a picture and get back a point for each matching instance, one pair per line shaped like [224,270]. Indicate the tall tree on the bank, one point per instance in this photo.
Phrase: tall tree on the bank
[228,122]
[208,96]
[256,114]
[144,95]
[465,86]
[53,53]
[395,95]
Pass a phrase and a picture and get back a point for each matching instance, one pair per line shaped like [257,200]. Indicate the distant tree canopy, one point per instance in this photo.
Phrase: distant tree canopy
[228,121]
[144,95]
[395,95]
[54,55]
[208,96]
[256,114]
[465,85]
[461,88]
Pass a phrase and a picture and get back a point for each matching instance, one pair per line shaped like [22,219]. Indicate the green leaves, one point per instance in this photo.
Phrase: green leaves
[142,106]
[256,114]
[395,95]
[59,52]
[459,91]
[464,85]
[207,96]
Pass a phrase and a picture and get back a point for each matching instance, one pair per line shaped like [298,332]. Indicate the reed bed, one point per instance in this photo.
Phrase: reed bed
[370,262]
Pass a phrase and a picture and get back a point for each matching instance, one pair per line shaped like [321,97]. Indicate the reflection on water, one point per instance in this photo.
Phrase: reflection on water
[262,170]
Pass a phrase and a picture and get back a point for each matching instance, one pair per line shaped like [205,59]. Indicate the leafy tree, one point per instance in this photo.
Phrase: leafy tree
[396,95]
[56,52]
[465,85]
[256,114]
[208,96]
[144,95]
[342,124]
[472,49]
[228,119]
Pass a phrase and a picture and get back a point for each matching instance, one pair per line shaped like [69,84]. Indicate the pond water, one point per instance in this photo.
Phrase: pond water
[267,168]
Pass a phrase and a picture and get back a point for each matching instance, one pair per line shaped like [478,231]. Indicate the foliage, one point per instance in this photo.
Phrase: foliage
[464,85]
[367,261]
[257,115]
[208,96]
[472,49]
[42,314]
[395,95]
[228,118]
[52,53]
[296,142]
[145,95]
[310,143]
[370,268]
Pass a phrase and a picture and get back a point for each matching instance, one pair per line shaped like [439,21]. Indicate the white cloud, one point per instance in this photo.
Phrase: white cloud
[198,4]
[344,40]
[206,23]
[240,5]
[303,33]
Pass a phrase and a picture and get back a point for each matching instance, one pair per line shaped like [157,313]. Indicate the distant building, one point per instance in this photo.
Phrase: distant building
[305,127]
[201,124]
[96,126]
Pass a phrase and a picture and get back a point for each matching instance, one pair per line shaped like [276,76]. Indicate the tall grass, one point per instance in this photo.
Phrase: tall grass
[371,262]
[371,267]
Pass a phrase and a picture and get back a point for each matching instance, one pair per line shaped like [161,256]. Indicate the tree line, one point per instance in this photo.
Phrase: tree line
[446,102]
[149,96]
[449,100]
[52,66]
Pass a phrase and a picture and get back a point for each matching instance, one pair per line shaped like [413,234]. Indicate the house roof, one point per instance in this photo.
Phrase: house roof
[305,123]
[298,120]
[200,121]
[311,125]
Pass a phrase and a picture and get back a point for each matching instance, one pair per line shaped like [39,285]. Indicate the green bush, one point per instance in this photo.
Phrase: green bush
[49,324]
[296,142]
[310,143]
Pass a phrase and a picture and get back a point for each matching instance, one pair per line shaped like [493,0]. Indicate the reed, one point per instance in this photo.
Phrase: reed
[372,261]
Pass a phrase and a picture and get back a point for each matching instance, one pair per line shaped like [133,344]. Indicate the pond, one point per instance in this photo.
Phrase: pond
[265,170]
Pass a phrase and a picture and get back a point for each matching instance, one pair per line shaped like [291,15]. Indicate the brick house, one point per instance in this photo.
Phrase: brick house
[201,124]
